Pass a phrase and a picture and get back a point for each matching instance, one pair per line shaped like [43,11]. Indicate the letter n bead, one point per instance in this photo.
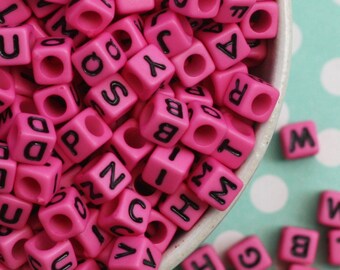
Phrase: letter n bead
[8,169]
[250,253]
[298,245]
[299,140]
[329,209]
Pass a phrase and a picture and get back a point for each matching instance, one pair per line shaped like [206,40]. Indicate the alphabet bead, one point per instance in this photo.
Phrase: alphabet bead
[328,209]
[59,103]
[60,2]
[195,93]
[7,91]
[12,246]
[206,128]
[169,31]
[38,183]
[67,163]
[14,212]
[89,17]
[134,6]
[298,245]
[31,139]
[204,257]
[193,65]
[8,168]
[195,8]
[44,253]
[251,97]
[104,256]
[166,168]
[83,135]
[250,253]
[299,140]
[147,71]
[112,98]
[169,122]
[24,83]
[13,13]
[65,216]
[42,8]
[233,11]
[300,267]
[128,214]
[135,253]
[37,31]
[333,247]
[257,54]
[183,208]
[87,265]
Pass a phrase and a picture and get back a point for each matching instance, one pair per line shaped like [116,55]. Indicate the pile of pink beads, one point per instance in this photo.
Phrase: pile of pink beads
[122,121]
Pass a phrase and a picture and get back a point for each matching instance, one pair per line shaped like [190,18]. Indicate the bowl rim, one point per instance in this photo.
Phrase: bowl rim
[279,54]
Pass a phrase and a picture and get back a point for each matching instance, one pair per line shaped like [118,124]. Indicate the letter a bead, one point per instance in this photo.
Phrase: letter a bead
[329,209]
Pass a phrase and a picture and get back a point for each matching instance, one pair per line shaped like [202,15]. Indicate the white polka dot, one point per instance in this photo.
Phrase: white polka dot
[269,193]
[329,145]
[330,78]
[297,38]
[284,117]
[226,240]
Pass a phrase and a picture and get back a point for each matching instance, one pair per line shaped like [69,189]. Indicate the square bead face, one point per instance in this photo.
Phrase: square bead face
[328,209]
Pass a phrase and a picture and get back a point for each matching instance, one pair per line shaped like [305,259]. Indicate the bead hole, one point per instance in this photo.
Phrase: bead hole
[124,39]
[27,107]
[44,243]
[206,5]
[260,21]
[55,106]
[18,250]
[205,135]
[261,103]
[133,138]
[61,224]
[90,20]
[94,126]
[194,65]
[52,66]
[156,232]
[31,186]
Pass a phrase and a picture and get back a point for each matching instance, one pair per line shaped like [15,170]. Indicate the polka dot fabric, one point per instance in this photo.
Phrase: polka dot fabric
[286,192]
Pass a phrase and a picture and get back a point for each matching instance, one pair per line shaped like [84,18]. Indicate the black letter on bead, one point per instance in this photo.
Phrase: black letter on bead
[174,107]
[215,28]
[206,168]
[132,206]
[300,246]
[36,265]
[236,95]
[212,112]
[40,154]
[196,91]
[71,144]
[224,47]
[150,261]
[208,265]
[7,114]
[16,217]
[4,231]
[97,233]
[188,203]
[106,3]
[129,251]
[249,252]
[59,259]
[113,182]
[111,44]
[92,57]
[92,194]
[79,205]
[155,17]
[113,86]
[216,195]
[181,4]
[165,132]
[236,9]
[161,42]
[333,210]
[300,140]
[53,42]
[161,176]
[225,146]
[3,175]
[42,129]
[5,152]
[16,48]
[55,198]
[114,230]
[71,33]
[7,11]
[153,66]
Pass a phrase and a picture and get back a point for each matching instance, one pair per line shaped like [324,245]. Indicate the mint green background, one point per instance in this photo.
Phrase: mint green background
[319,22]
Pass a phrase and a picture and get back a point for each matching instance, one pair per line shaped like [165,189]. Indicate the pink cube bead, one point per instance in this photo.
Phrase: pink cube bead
[169,31]
[65,216]
[44,253]
[37,184]
[7,90]
[104,256]
[166,168]
[13,13]
[37,30]
[31,139]
[227,46]
[257,54]
[195,93]
[60,2]
[24,83]
[134,6]
[51,60]
[128,32]
[42,8]
[299,140]
[126,215]
[251,97]
[334,247]
[66,162]
[8,169]
[135,253]
[147,71]
[204,257]
[183,208]
[298,245]
[112,98]
[261,21]
[12,251]
[195,8]
[15,45]
[328,209]
[233,11]
[83,135]
[300,267]
[113,176]
[206,129]
[193,65]
[88,264]
[237,144]
[215,184]
[250,253]
[14,212]
[164,120]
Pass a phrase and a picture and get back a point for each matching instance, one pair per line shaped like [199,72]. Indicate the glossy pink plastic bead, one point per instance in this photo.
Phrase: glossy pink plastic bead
[215,184]
[195,8]
[104,256]
[169,31]
[31,139]
[13,13]
[237,143]
[183,208]
[299,140]
[135,253]
[194,64]
[147,71]
[12,246]
[166,168]
[128,214]
[98,58]
[24,83]
[225,43]
[195,93]
[112,98]
[233,11]
[134,6]
[42,8]
[128,32]
[37,30]
[82,135]
[334,247]
[60,2]
[8,168]
[257,54]
[300,267]
[250,253]
[65,216]
[88,264]
[298,245]
[7,90]
[251,97]
[44,253]
[261,21]
[164,120]
[14,212]
[206,129]
[328,209]
[67,163]
[15,45]
[204,257]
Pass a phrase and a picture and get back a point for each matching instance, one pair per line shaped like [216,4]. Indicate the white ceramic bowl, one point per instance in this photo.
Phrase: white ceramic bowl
[274,70]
